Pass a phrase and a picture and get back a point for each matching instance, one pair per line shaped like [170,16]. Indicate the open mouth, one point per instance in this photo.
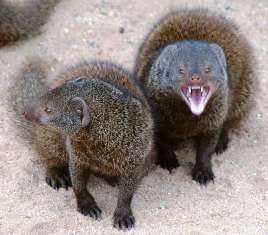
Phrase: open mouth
[196,97]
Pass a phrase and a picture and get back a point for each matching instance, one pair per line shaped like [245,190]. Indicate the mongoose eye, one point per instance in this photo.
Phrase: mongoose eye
[181,71]
[79,111]
[47,110]
[208,69]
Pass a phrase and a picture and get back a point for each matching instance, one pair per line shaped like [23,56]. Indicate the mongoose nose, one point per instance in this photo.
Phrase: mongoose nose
[196,79]
[24,114]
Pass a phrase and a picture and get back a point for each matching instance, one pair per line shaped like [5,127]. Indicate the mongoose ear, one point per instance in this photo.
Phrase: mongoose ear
[163,63]
[82,109]
[78,81]
[220,54]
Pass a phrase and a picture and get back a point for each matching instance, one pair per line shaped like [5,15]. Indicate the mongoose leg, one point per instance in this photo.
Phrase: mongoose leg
[223,141]
[86,204]
[166,157]
[112,181]
[58,177]
[123,217]
[205,147]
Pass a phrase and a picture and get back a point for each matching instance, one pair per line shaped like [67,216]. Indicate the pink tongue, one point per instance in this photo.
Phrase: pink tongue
[197,104]
[196,96]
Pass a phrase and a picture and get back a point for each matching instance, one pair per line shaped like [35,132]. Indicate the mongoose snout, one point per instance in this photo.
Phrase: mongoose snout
[196,93]
[31,114]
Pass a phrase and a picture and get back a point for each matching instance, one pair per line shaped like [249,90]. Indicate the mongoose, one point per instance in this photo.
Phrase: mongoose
[199,72]
[101,118]
[20,21]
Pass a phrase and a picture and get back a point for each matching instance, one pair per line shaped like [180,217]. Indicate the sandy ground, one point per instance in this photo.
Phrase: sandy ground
[165,203]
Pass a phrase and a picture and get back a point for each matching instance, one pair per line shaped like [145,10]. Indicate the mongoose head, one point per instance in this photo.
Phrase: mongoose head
[194,70]
[61,108]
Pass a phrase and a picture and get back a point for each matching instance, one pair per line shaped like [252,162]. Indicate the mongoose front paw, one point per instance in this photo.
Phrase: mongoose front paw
[123,219]
[168,161]
[203,175]
[58,178]
[89,209]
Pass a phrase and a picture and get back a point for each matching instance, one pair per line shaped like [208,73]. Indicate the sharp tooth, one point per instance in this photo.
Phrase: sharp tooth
[189,90]
[202,89]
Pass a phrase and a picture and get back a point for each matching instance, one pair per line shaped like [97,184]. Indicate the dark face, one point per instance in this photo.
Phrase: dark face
[60,109]
[194,70]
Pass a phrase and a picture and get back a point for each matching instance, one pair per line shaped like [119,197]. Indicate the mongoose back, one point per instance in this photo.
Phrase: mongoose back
[198,70]
[105,125]
[20,21]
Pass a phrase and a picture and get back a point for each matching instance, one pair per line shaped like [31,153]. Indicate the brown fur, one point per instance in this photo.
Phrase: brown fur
[21,21]
[118,142]
[204,25]
[113,73]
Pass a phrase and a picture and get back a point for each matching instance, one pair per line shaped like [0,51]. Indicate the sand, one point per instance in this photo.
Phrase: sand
[237,203]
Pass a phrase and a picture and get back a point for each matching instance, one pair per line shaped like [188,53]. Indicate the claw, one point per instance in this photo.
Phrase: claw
[58,178]
[203,176]
[91,210]
[124,220]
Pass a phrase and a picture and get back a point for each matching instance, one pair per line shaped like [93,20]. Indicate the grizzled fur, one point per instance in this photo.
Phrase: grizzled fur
[20,21]
[172,41]
[106,124]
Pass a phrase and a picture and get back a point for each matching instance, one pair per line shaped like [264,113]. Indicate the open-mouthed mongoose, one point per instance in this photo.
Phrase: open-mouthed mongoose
[198,70]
